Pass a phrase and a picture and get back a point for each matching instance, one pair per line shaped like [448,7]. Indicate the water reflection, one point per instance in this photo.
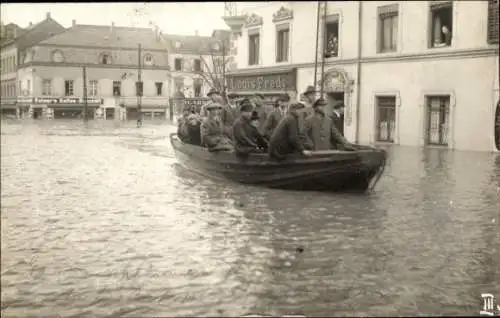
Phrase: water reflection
[102,220]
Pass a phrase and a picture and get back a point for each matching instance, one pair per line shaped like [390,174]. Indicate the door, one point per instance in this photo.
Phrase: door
[438,110]
[497,126]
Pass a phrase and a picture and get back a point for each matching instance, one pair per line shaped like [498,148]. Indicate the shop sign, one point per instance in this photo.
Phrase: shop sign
[65,100]
[25,100]
[284,81]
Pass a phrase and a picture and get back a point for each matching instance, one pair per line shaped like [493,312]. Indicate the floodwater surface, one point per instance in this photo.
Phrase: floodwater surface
[102,220]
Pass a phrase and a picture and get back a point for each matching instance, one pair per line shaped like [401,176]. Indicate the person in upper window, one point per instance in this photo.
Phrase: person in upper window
[446,35]
[286,138]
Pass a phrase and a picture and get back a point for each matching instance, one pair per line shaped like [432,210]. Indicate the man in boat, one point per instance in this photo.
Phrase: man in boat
[231,100]
[286,138]
[212,95]
[276,115]
[337,114]
[182,125]
[309,97]
[188,128]
[212,133]
[258,101]
[247,138]
[320,132]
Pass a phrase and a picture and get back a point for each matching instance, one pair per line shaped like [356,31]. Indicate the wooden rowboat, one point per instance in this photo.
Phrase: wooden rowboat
[332,170]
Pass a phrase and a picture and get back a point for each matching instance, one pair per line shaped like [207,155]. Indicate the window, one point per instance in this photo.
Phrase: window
[92,89]
[441,24]
[105,59]
[493,21]
[159,88]
[388,28]
[253,49]
[117,88]
[178,64]
[197,65]
[69,88]
[332,37]
[282,43]
[438,108]
[197,87]
[386,118]
[46,87]
[57,56]
[148,59]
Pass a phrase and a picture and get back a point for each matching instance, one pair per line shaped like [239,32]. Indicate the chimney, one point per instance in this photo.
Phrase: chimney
[47,15]
[31,25]
[112,26]
[73,23]
[196,32]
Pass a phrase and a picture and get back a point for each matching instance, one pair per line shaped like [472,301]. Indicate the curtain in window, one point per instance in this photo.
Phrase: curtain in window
[284,50]
[437,30]
[394,34]
[387,30]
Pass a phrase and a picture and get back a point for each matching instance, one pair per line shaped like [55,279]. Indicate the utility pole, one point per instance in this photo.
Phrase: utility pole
[139,88]
[323,51]
[85,104]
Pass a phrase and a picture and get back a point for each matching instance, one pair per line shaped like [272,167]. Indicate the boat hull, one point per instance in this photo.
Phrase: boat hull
[323,171]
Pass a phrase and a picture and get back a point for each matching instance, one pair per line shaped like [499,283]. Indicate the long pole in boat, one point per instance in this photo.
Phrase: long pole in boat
[324,46]
[85,103]
[139,90]
[224,70]
[317,42]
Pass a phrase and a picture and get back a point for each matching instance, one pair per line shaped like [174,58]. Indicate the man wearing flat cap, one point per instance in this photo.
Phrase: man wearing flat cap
[213,134]
[286,138]
[247,138]
[280,106]
[320,132]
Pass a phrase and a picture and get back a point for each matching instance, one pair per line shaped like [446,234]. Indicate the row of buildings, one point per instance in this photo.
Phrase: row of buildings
[42,69]
[410,73]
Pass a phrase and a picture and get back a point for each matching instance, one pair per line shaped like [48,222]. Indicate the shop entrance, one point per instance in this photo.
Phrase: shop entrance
[37,113]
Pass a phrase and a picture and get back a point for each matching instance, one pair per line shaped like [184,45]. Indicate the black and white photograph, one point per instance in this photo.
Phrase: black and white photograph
[250,159]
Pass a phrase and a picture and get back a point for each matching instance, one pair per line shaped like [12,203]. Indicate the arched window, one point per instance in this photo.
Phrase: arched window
[57,56]
[497,126]
[148,59]
[105,58]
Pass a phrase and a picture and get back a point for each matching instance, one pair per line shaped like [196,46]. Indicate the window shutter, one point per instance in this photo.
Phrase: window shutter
[493,21]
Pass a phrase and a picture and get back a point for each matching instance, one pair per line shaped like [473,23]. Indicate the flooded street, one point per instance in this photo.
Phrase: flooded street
[102,220]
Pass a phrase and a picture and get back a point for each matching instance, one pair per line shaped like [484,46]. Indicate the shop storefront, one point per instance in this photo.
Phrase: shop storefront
[63,108]
[8,108]
[270,84]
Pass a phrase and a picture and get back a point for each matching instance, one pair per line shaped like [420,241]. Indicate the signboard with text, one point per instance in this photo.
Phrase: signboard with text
[284,81]
[59,100]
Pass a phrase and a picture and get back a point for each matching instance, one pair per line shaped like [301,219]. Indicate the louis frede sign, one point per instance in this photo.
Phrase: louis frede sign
[283,81]
[60,100]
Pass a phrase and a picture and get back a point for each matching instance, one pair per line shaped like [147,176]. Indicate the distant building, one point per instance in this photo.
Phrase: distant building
[14,49]
[423,73]
[111,55]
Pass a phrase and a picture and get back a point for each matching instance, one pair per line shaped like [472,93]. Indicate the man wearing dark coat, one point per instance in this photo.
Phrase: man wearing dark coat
[276,115]
[320,132]
[247,138]
[212,132]
[260,108]
[286,138]
[212,95]
[337,114]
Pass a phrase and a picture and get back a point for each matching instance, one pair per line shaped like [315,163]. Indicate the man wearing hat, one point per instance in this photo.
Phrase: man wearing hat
[280,105]
[286,138]
[319,131]
[213,95]
[337,114]
[258,101]
[247,138]
[212,132]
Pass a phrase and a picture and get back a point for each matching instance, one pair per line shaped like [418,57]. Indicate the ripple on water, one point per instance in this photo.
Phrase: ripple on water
[102,221]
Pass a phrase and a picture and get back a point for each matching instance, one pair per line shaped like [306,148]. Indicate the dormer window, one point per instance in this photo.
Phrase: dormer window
[105,59]
[57,56]
[148,59]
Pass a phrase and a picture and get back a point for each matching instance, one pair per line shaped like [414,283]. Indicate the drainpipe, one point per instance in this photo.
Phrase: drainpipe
[358,75]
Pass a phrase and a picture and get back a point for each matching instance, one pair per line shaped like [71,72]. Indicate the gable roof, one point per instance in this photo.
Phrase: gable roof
[36,33]
[107,36]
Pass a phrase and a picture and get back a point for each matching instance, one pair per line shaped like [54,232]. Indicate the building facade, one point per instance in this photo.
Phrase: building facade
[410,73]
[15,42]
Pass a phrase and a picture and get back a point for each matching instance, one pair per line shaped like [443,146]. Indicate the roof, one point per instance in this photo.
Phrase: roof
[107,36]
[8,32]
[36,33]
[191,44]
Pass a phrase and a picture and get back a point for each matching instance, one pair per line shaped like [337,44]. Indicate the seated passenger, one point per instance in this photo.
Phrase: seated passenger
[227,114]
[320,132]
[247,138]
[182,126]
[276,115]
[212,132]
[193,129]
[286,138]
